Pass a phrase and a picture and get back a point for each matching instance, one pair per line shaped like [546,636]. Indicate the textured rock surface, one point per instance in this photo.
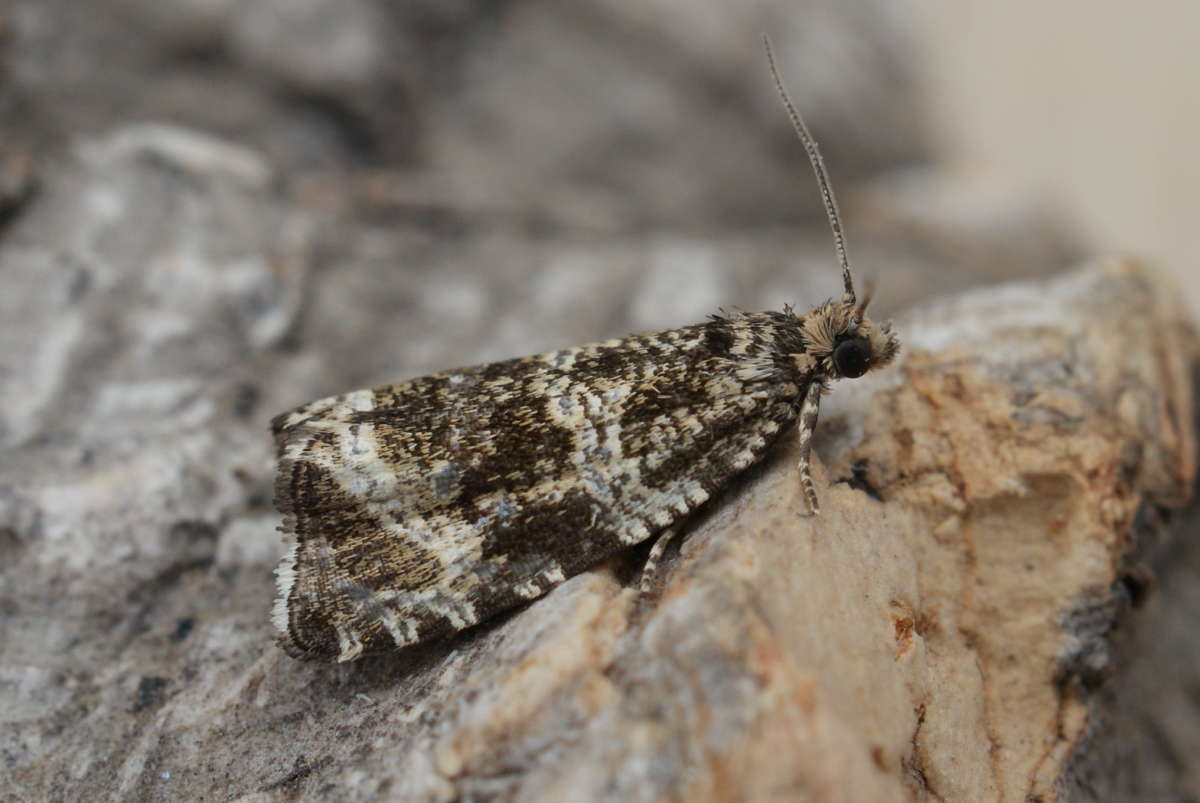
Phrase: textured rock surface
[453,186]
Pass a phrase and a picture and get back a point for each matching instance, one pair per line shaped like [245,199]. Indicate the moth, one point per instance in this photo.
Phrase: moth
[416,510]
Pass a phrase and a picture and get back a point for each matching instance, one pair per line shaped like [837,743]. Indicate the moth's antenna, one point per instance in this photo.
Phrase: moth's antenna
[818,165]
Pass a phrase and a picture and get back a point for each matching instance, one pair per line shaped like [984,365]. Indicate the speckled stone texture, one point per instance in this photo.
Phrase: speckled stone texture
[213,212]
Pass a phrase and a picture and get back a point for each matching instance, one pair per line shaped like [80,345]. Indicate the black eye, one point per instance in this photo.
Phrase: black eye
[852,357]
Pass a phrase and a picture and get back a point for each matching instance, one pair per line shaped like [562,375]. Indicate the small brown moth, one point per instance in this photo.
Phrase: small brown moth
[419,509]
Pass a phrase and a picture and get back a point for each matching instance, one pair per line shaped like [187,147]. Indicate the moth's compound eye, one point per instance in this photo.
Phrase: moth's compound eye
[852,357]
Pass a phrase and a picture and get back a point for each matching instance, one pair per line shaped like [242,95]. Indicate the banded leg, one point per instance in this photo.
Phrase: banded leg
[656,553]
[807,425]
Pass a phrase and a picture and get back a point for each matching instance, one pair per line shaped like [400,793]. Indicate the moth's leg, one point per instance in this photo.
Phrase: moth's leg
[656,553]
[807,425]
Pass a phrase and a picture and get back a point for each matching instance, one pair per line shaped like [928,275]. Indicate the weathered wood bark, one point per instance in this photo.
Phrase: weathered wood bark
[959,624]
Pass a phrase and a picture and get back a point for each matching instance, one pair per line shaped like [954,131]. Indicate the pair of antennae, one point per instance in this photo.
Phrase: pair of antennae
[818,165]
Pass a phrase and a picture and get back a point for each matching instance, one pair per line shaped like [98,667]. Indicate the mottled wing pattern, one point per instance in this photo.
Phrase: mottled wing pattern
[419,509]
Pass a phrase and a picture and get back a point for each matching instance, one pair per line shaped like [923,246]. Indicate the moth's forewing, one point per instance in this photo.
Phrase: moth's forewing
[419,509]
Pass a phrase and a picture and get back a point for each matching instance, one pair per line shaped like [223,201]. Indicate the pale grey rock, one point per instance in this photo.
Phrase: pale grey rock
[497,182]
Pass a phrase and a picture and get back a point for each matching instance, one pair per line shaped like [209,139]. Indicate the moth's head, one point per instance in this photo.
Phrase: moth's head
[862,348]
[844,342]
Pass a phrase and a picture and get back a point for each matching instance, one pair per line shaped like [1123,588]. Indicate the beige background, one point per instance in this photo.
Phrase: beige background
[1091,105]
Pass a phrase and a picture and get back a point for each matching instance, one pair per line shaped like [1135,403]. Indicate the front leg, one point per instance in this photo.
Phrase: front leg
[805,427]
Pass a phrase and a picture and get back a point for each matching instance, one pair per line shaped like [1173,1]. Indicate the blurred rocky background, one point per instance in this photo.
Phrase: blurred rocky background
[213,211]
